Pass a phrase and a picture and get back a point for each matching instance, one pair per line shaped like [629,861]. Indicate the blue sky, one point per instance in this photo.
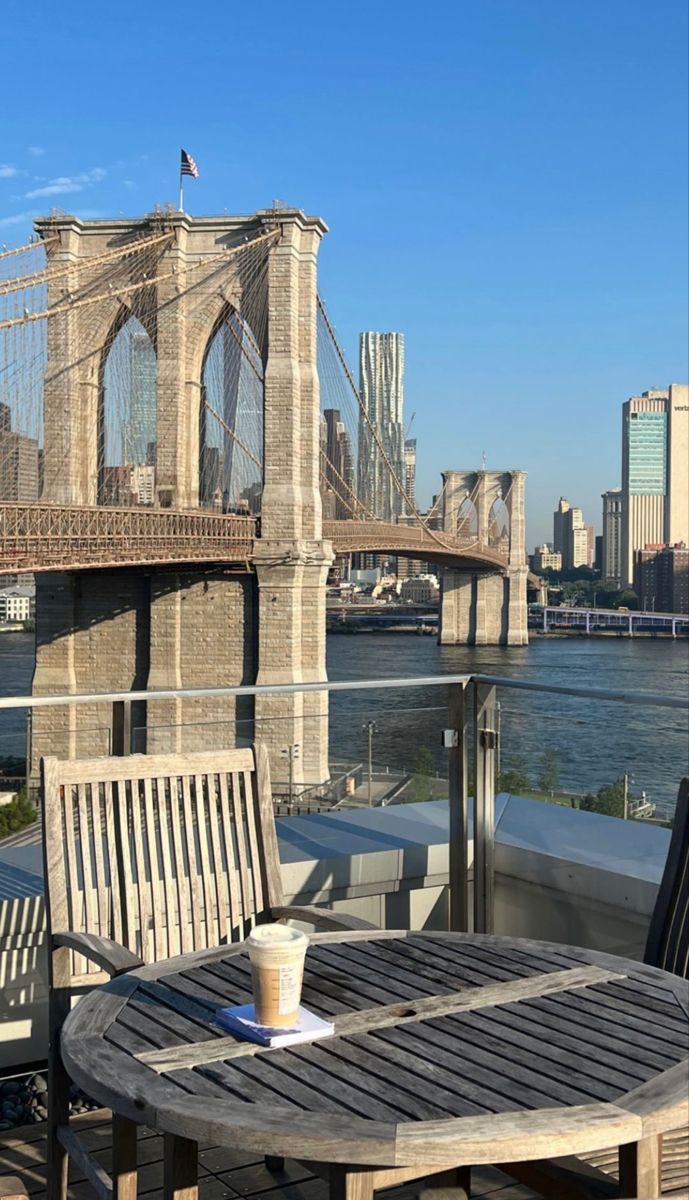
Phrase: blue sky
[505,182]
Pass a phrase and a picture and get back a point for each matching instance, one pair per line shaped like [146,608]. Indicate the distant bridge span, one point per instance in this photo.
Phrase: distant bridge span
[57,537]
[412,541]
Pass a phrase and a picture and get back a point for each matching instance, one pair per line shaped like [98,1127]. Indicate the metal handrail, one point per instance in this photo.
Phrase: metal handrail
[345,685]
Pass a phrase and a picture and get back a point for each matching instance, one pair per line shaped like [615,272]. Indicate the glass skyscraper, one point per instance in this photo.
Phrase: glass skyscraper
[655,453]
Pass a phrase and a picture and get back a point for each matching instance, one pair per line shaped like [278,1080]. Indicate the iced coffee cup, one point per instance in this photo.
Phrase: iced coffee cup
[276,954]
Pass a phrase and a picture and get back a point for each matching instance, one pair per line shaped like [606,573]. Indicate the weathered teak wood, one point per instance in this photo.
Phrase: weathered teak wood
[147,857]
[194,1054]
[450,1051]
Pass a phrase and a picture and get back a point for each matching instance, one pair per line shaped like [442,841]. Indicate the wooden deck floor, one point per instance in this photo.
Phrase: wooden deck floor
[224,1174]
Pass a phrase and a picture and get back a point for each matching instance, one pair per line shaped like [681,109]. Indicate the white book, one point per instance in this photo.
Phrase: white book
[242,1021]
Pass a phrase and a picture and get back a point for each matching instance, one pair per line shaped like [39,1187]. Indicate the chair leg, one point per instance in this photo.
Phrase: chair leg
[124,1180]
[181,1166]
[58,1094]
[274,1163]
[346,1183]
[640,1169]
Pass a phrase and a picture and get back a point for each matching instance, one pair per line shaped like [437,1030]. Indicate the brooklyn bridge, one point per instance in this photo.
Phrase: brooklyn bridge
[181,441]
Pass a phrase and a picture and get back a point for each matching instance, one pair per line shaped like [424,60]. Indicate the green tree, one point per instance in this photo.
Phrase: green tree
[423,773]
[16,815]
[515,777]
[609,800]
[626,599]
[549,774]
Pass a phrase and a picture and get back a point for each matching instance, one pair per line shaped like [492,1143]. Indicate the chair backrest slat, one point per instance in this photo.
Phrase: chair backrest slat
[227,816]
[169,882]
[163,853]
[667,945]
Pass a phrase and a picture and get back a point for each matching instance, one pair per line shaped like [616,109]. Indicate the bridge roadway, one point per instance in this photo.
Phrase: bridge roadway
[50,537]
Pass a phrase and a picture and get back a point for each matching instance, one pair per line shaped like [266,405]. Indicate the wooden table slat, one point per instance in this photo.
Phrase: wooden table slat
[506,1076]
[166,1026]
[673,1022]
[612,1038]
[635,1027]
[552,1043]
[414,1011]
[434,967]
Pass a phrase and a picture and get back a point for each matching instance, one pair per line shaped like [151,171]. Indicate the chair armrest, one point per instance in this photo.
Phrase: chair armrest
[323,918]
[113,958]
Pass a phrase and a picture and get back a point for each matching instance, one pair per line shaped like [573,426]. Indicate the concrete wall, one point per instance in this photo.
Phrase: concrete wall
[563,875]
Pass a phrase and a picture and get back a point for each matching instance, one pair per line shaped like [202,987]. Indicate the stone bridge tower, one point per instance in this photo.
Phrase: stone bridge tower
[178,626]
[485,608]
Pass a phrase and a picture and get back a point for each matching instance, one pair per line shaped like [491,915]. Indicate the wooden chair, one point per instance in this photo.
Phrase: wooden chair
[147,857]
[667,947]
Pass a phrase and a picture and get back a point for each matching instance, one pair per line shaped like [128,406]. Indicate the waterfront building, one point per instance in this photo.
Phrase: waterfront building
[544,558]
[611,565]
[572,537]
[381,387]
[661,578]
[17,604]
[421,589]
[598,555]
[655,472]
[5,417]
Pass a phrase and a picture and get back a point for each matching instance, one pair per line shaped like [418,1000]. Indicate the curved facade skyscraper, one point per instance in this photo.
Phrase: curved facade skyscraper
[381,385]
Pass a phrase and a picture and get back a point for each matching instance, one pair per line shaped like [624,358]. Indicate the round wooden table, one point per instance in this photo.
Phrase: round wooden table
[450,1050]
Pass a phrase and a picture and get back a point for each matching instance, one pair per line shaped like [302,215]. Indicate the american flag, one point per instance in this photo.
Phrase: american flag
[188,165]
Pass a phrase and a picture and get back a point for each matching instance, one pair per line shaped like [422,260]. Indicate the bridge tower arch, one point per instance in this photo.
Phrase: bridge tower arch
[187,626]
[485,608]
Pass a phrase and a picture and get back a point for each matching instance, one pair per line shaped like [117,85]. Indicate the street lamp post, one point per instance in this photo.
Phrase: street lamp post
[627,780]
[370,728]
[291,753]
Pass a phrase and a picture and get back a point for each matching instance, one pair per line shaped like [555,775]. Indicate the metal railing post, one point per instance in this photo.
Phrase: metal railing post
[485,745]
[455,739]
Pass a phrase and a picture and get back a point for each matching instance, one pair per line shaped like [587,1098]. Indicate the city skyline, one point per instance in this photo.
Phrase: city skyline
[501,217]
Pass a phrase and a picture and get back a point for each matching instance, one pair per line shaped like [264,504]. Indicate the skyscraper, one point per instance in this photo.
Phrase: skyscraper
[410,473]
[142,406]
[572,537]
[18,468]
[655,472]
[560,528]
[381,385]
[611,567]
[339,465]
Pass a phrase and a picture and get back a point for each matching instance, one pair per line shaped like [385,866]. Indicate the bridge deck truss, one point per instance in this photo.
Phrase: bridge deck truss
[47,537]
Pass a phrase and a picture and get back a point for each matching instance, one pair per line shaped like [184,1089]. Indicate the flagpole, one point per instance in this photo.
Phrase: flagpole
[181,186]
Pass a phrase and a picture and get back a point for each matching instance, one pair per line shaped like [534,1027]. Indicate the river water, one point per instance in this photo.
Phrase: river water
[595,742]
